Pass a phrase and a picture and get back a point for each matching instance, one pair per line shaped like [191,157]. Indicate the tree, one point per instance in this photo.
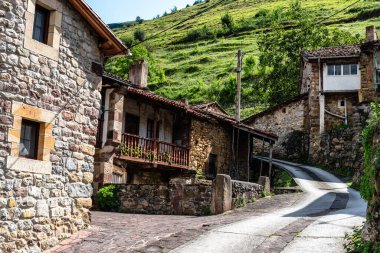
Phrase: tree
[165,14]
[139,35]
[174,10]
[280,50]
[139,20]
[228,22]
[120,66]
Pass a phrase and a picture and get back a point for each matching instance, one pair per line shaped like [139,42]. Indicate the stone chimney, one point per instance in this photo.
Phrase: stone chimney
[370,34]
[138,73]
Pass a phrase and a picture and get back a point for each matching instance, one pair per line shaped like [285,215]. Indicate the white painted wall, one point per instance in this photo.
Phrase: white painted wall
[340,83]
[145,112]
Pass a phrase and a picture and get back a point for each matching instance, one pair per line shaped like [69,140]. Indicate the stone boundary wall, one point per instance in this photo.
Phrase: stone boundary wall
[193,199]
[342,148]
[246,191]
[204,198]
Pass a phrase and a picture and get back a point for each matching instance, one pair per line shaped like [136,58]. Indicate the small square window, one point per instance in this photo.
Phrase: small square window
[330,70]
[354,69]
[338,70]
[29,139]
[41,24]
[346,69]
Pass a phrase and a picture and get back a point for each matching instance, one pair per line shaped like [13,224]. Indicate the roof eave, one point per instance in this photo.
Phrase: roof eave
[112,45]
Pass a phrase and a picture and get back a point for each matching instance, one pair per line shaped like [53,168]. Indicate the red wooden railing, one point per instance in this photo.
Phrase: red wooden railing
[154,150]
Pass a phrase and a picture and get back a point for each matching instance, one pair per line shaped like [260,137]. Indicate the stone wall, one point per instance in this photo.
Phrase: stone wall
[282,120]
[245,191]
[36,209]
[342,147]
[210,138]
[193,199]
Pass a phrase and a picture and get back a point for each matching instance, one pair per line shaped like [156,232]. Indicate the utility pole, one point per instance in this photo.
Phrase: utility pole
[238,81]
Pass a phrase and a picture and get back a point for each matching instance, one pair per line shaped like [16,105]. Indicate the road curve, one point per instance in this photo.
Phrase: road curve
[317,223]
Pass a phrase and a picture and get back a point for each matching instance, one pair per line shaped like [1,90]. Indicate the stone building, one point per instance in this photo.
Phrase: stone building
[326,119]
[49,104]
[148,139]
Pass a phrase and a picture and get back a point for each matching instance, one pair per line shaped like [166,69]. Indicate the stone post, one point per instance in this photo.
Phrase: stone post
[115,118]
[221,194]
[265,182]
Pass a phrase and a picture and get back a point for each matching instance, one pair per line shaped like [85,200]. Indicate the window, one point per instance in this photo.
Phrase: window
[342,69]
[29,139]
[338,70]
[41,24]
[149,129]
[330,70]
[132,124]
[354,69]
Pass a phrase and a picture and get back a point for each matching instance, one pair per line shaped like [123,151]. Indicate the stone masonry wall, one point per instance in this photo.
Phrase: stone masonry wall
[194,199]
[282,121]
[245,191]
[36,210]
[209,138]
[342,148]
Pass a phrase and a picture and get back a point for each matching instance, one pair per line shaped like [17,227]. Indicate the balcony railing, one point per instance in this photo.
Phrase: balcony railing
[154,151]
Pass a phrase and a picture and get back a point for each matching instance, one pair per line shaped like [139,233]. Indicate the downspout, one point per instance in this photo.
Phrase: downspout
[321,99]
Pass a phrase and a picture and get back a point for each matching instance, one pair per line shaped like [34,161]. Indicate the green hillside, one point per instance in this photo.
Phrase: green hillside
[194,67]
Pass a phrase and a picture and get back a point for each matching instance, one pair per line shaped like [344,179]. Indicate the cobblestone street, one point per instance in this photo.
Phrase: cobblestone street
[115,232]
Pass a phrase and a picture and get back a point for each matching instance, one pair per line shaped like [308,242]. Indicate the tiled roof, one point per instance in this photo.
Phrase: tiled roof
[333,52]
[211,105]
[192,110]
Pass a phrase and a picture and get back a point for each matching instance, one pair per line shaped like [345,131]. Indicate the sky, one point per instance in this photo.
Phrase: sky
[115,11]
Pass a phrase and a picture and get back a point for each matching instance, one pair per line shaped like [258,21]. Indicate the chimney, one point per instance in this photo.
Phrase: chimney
[370,34]
[138,73]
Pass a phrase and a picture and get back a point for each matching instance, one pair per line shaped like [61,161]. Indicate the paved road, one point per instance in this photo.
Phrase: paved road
[317,223]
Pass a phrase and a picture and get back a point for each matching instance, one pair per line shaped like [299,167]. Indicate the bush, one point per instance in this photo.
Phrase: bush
[355,244]
[199,34]
[107,198]
[139,35]
[228,22]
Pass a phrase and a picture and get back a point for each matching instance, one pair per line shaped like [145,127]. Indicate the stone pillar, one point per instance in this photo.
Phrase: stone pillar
[221,194]
[265,182]
[115,118]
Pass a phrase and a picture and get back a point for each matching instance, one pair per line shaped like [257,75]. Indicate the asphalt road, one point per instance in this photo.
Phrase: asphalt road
[317,223]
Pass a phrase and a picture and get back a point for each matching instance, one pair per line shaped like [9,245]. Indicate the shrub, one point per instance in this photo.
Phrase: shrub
[139,35]
[240,202]
[228,22]
[200,34]
[355,244]
[107,198]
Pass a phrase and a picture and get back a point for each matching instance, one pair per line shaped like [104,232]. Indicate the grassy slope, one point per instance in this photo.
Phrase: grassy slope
[185,64]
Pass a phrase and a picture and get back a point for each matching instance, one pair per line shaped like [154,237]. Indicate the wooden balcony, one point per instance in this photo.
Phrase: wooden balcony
[144,150]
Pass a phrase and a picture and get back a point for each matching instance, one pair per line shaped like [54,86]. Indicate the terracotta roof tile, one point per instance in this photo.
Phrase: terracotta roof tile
[192,110]
[333,52]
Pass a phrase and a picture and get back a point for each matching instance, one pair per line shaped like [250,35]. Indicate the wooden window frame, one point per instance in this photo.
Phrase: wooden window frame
[36,127]
[46,24]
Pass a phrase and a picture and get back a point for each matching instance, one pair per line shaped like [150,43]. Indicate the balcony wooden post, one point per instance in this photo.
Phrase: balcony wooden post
[155,149]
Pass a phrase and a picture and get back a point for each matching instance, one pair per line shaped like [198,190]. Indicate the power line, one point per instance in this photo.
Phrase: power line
[179,23]
[332,15]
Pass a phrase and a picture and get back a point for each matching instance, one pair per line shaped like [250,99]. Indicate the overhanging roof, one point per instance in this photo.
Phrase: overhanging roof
[111,44]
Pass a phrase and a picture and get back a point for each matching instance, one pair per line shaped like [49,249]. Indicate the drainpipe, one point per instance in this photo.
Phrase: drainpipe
[321,100]
[345,112]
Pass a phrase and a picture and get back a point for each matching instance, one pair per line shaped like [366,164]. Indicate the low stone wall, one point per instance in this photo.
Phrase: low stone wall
[245,192]
[207,197]
[146,199]
[166,199]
